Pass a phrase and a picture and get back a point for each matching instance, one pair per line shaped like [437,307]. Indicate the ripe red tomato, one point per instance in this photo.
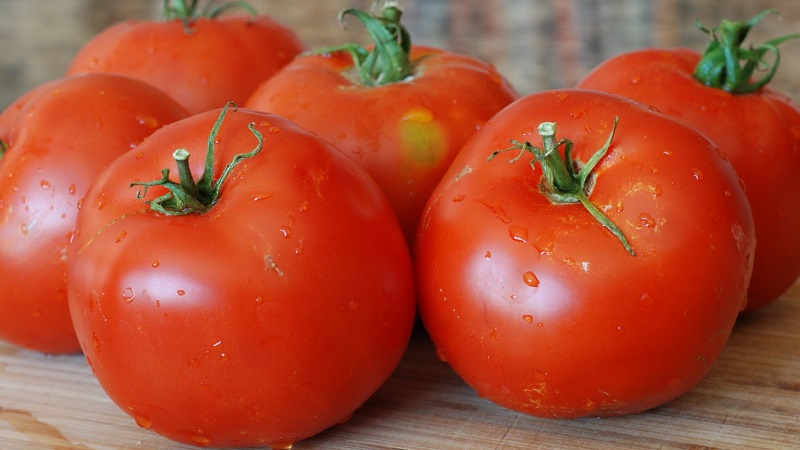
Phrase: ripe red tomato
[268,313]
[59,136]
[403,124]
[538,306]
[201,60]
[758,131]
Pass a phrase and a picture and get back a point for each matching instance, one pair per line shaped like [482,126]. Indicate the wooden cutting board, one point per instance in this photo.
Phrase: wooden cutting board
[750,400]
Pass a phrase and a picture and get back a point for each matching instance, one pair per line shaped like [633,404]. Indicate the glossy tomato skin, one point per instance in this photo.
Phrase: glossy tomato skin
[219,60]
[758,132]
[267,319]
[404,134]
[540,308]
[59,136]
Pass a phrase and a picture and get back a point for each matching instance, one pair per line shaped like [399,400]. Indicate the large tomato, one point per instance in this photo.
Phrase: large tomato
[401,111]
[757,127]
[256,306]
[606,285]
[58,138]
[201,58]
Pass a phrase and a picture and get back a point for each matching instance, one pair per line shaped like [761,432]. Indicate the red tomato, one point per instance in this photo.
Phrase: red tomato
[538,306]
[268,316]
[758,131]
[59,136]
[404,132]
[202,62]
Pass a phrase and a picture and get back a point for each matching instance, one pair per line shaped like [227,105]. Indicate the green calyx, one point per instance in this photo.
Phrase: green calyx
[3,148]
[189,196]
[727,65]
[187,11]
[389,61]
[567,180]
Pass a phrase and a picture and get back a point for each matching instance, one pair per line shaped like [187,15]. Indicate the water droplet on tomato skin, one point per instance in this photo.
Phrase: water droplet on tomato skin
[181,292]
[527,318]
[518,233]
[24,228]
[440,353]
[120,236]
[148,121]
[281,445]
[645,220]
[488,255]
[697,174]
[458,198]
[530,279]
[155,264]
[142,421]
[128,294]
[286,231]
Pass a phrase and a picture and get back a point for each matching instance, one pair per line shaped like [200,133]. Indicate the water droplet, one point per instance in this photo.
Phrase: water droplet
[24,228]
[286,231]
[274,130]
[530,279]
[645,220]
[303,206]
[155,263]
[742,185]
[45,184]
[139,155]
[261,197]
[259,300]
[488,255]
[657,190]
[120,236]
[440,353]
[148,121]
[728,193]
[518,233]
[264,123]
[458,198]
[142,421]
[619,206]
[647,300]
[697,174]
[667,153]
[527,318]
[636,79]
[281,445]
[561,96]
[71,189]
[181,292]
[201,441]
[95,343]
[128,294]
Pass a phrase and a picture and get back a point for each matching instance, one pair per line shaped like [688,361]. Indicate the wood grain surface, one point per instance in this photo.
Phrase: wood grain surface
[750,400]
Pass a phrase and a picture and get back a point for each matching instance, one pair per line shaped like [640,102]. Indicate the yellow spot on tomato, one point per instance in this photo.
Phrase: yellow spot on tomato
[422,138]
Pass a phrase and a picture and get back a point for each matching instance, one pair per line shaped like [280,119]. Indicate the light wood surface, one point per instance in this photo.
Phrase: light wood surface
[750,400]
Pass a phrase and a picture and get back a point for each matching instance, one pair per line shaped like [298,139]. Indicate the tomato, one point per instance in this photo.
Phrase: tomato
[259,312]
[59,136]
[202,59]
[547,308]
[757,127]
[403,121]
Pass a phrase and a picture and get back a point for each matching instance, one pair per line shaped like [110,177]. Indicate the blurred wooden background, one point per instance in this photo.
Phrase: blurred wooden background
[536,44]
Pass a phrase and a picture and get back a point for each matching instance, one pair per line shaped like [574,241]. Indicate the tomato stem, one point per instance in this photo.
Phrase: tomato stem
[190,196]
[726,65]
[390,60]
[567,180]
[188,11]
